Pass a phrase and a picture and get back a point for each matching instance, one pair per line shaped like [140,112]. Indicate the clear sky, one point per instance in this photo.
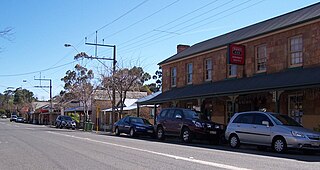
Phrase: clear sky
[144,31]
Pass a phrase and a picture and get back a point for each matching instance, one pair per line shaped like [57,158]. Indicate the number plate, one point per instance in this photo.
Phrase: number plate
[213,132]
[150,131]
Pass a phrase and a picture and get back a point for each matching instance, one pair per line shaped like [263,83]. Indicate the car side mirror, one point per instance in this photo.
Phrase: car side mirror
[178,117]
[266,123]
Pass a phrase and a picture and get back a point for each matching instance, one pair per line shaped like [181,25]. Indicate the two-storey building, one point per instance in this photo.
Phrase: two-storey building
[273,65]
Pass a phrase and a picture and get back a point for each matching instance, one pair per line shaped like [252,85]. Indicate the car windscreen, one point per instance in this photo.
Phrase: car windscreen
[189,114]
[280,119]
[67,118]
[136,120]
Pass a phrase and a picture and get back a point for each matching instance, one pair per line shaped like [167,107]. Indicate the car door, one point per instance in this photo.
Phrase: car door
[126,125]
[168,122]
[242,126]
[176,122]
[121,125]
[261,134]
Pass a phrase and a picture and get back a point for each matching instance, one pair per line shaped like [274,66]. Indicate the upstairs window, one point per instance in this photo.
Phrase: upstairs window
[208,71]
[295,52]
[173,77]
[189,73]
[232,70]
[261,58]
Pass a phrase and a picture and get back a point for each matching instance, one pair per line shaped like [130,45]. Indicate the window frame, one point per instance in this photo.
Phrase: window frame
[189,73]
[207,70]
[238,118]
[296,113]
[299,51]
[173,76]
[260,123]
[230,70]
[261,60]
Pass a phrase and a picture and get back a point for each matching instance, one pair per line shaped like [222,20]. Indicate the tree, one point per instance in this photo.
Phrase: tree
[22,97]
[6,100]
[78,85]
[158,77]
[125,80]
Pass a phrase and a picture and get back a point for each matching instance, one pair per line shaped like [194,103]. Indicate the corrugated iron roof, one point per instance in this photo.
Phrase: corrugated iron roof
[290,19]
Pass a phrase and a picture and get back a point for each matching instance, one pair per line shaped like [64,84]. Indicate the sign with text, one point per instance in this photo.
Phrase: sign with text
[236,54]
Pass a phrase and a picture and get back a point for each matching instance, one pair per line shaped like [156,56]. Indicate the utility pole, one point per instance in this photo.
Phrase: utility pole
[50,87]
[96,44]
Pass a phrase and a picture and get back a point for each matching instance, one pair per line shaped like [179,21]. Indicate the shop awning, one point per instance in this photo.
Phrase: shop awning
[296,78]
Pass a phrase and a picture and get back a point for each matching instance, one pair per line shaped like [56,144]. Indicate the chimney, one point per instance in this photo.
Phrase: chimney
[182,47]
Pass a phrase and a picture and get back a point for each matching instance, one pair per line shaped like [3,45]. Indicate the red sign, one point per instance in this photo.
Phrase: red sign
[236,54]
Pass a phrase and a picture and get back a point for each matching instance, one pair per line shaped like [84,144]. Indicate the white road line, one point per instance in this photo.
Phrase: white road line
[213,164]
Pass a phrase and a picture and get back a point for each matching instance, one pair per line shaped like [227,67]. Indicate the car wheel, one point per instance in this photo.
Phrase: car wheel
[279,145]
[116,131]
[160,133]
[131,132]
[186,135]
[60,126]
[234,141]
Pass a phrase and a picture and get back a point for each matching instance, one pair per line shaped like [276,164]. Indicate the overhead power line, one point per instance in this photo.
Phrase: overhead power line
[160,39]
[179,24]
[158,28]
[126,13]
[22,74]
[113,34]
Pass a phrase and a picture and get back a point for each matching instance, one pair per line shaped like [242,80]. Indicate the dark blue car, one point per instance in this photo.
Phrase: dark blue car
[134,126]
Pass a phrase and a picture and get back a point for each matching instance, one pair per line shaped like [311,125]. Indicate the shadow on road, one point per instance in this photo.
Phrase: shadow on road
[291,154]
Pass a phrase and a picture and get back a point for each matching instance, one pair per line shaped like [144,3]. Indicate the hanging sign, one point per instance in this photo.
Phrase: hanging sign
[236,54]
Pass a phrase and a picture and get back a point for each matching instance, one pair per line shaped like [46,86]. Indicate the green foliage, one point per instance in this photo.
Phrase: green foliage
[158,77]
[74,116]
[22,96]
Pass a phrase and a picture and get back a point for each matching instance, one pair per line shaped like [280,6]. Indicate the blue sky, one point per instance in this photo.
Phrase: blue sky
[144,31]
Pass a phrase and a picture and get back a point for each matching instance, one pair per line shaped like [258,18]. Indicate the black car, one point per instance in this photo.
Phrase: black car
[134,126]
[20,120]
[187,124]
[64,121]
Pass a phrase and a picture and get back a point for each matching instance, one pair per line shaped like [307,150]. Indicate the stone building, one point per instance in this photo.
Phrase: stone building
[272,65]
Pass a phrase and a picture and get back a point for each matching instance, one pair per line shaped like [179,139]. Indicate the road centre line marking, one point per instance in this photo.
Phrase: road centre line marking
[217,165]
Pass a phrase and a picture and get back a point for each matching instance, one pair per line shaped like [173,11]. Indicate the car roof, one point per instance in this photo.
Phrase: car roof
[135,117]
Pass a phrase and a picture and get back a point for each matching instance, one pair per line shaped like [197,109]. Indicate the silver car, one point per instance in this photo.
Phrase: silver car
[267,129]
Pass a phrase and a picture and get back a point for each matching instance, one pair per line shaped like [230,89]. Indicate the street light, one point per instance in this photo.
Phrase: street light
[69,45]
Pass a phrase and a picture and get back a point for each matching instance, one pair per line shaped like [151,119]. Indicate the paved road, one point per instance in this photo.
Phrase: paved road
[25,146]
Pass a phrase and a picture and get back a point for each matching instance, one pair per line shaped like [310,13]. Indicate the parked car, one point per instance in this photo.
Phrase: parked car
[4,117]
[187,125]
[13,118]
[20,120]
[267,129]
[134,126]
[64,121]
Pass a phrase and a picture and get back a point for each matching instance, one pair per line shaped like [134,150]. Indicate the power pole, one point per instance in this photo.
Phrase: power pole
[50,87]
[96,44]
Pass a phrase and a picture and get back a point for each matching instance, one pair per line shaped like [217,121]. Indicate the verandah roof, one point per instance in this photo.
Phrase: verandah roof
[290,79]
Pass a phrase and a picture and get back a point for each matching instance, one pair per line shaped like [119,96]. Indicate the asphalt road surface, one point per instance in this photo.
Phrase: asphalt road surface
[35,147]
